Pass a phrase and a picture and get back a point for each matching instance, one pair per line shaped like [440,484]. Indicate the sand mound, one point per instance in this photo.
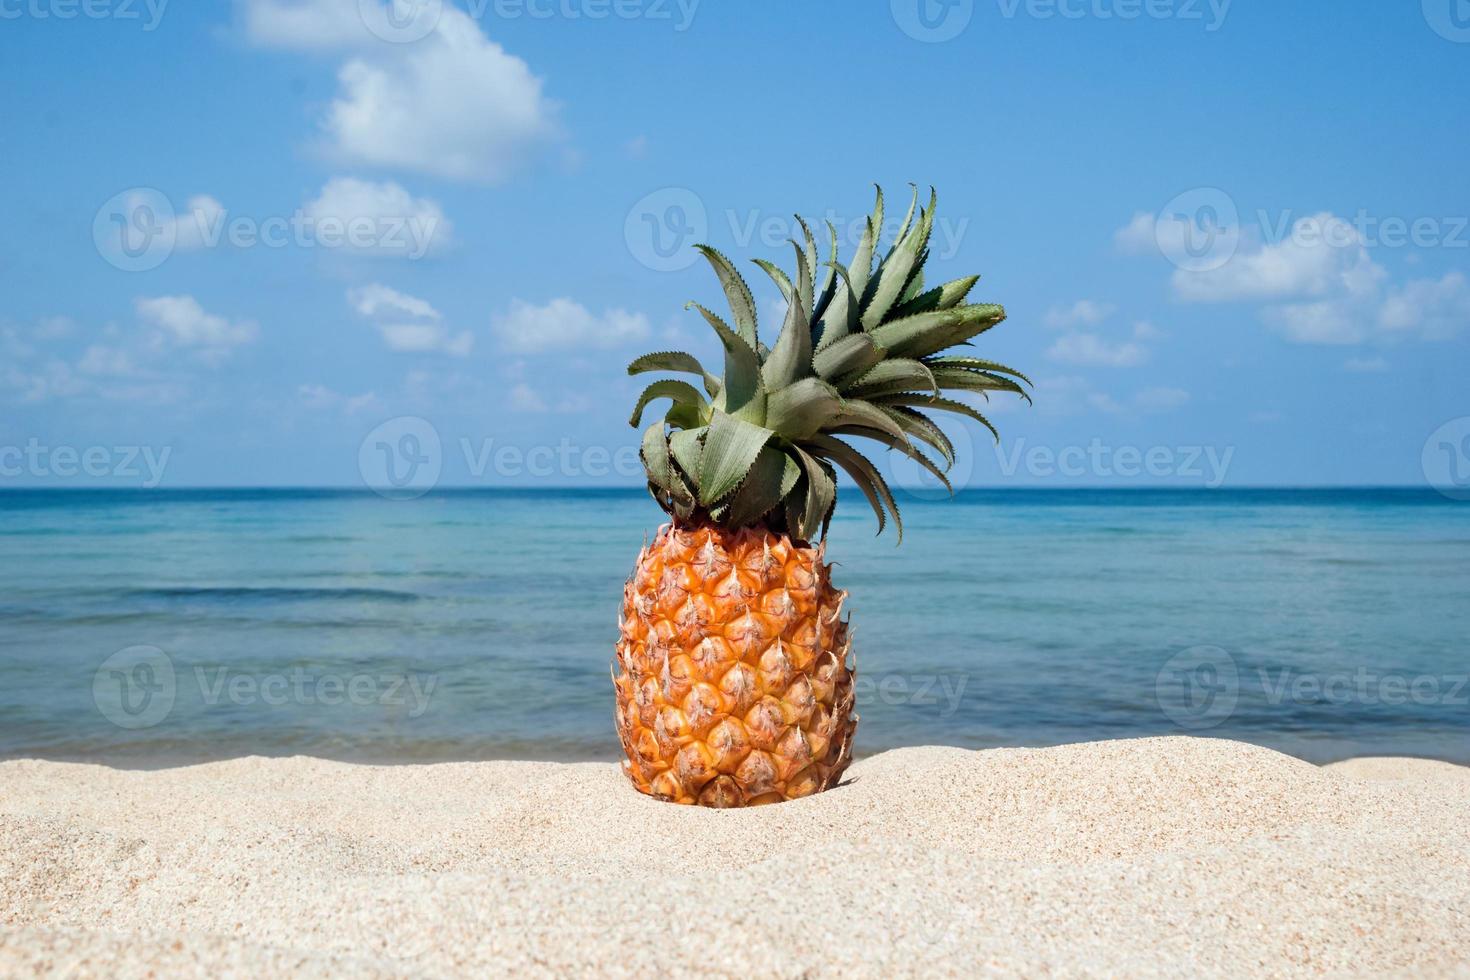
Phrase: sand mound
[1148,856]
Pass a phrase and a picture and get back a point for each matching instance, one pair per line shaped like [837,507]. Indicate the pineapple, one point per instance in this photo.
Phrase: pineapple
[732,679]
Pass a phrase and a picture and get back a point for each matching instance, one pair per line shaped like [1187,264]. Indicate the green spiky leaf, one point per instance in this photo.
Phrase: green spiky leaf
[943,297]
[771,476]
[852,356]
[864,474]
[919,425]
[974,363]
[820,493]
[929,333]
[730,450]
[737,293]
[675,360]
[798,410]
[890,375]
[741,392]
[682,392]
[791,358]
[942,404]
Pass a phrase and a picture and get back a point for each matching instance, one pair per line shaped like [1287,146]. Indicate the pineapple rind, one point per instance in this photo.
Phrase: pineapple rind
[733,684]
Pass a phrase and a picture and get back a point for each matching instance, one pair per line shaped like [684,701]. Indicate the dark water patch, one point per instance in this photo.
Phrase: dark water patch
[241,593]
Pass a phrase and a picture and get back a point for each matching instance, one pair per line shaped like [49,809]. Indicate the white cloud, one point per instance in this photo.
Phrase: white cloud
[408,324]
[53,379]
[523,398]
[1160,399]
[1083,312]
[104,360]
[636,148]
[303,24]
[320,397]
[1065,395]
[1322,255]
[1365,365]
[448,101]
[426,338]
[1321,322]
[179,321]
[1090,349]
[566,325]
[1320,286]
[1424,309]
[454,105]
[201,223]
[373,299]
[1431,308]
[1138,236]
[53,327]
[371,218]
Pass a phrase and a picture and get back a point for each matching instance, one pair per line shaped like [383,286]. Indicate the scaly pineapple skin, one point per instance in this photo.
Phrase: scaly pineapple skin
[734,687]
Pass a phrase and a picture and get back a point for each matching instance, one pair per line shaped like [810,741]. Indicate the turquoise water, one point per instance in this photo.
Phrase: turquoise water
[163,626]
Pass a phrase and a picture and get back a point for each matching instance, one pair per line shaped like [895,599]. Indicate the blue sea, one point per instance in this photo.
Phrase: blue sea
[157,627]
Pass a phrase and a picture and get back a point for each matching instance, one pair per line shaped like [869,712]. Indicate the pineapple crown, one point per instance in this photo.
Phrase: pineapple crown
[861,353]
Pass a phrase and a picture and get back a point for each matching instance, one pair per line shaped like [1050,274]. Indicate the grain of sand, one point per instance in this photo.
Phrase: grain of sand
[1160,856]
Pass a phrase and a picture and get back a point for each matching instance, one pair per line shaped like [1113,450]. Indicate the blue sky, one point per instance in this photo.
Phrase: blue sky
[1229,231]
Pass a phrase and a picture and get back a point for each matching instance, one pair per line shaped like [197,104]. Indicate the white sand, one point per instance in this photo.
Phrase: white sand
[1157,856]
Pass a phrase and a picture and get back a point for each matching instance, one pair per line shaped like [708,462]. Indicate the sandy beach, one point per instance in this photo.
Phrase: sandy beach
[1152,856]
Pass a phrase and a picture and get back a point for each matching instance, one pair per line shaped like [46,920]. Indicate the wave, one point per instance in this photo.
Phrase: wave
[230,593]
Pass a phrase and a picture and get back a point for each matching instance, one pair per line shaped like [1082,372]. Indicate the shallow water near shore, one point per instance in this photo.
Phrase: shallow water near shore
[163,626]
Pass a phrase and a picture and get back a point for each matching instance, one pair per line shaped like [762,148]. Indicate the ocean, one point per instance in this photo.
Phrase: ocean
[165,626]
